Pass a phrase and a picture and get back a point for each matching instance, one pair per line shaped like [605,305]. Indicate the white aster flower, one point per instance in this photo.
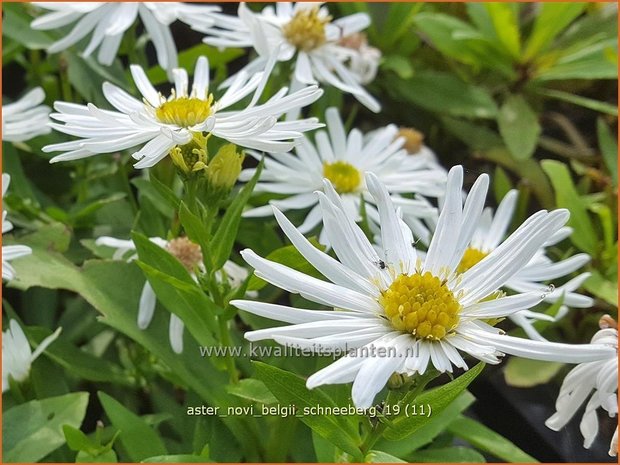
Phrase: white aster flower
[343,159]
[361,59]
[180,121]
[190,256]
[9,252]
[17,357]
[491,231]
[401,313]
[302,31]
[597,380]
[108,21]
[25,118]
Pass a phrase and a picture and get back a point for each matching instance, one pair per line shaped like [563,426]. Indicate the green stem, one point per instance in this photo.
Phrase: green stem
[226,342]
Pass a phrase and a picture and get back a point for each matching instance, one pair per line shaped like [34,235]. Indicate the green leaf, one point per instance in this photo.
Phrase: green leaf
[224,238]
[78,362]
[188,58]
[476,136]
[519,127]
[162,198]
[447,454]
[525,373]
[602,288]
[113,288]
[87,76]
[289,256]
[552,19]
[136,437]
[196,230]
[460,41]
[488,441]
[436,425]
[501,184]
[291,389]
[177,290]
[32,430]
[584,235]
[16,25]
[77,440]
[108,456]
[609,148]
[252,390]
[596,105]
[178,459]
[438,399]
[376,456]
[505,19]
[445,94]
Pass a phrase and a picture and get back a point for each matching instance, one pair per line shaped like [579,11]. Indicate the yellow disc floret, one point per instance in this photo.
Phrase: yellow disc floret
[344,176]
[185,111]
[306,31]
[421,304]
[470,258]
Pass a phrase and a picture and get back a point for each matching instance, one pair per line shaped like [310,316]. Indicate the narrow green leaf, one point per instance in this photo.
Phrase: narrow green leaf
[32,430]
[488,441]
[552,19]
[224,238]
[609,148]
[525,373]
[290,389]
[505,19]
[596,105]
[136,437]
[16,25]
[77,440]
[376,456]
[177,290]
[584,235]
[438,399]
[178,459]
[445,94]
[519,127]
[163,200]
[501,184]
[436,425]
[79,362]
[197,232]
[454,454]
[252,390]
[602,288]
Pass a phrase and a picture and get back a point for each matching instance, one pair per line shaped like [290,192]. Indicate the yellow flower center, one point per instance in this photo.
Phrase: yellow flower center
[421,304]
[344,176]
[306,31]
[470,258]
[185,111]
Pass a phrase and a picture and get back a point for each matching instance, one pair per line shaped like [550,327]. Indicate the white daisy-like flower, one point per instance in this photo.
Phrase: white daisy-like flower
[302,31]
[183,121]
[343,158]
[396,312]
[17,357]
[597,380]
[189,254]
[9,252]
[490,233]
[361,59]
[108,22]
[26,118]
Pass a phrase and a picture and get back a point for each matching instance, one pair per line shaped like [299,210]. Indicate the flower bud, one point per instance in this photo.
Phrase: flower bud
[224,168]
